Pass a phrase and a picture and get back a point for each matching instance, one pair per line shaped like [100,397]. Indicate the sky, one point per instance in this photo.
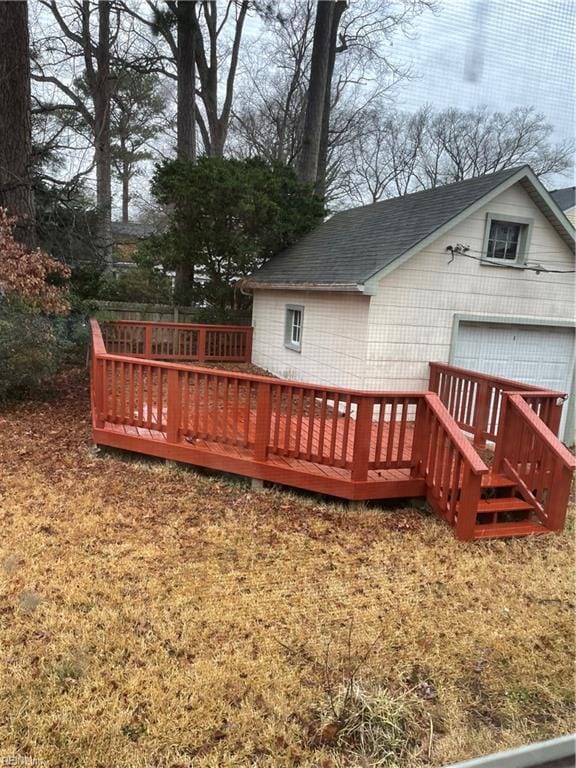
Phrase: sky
[471,53]
[498,53]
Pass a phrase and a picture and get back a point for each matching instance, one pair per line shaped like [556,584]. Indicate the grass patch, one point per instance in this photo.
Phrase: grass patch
[157,616]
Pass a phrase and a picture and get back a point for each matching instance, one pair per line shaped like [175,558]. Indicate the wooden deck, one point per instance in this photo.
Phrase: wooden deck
[282,468]
[352,444]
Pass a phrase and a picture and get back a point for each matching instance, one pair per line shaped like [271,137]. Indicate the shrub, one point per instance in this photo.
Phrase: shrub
[31,275]
[140,283]
[370,724]
[33,291]
[29,349]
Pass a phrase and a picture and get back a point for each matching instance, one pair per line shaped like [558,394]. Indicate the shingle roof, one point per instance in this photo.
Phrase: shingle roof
[353,245]
[131,231]
[564,198]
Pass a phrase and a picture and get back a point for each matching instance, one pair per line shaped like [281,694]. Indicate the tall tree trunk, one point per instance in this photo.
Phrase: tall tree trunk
[308,161]
[16,192]
[103,159]
[184,284]
[320,189]
[186,69]
[186,122]
[125,191]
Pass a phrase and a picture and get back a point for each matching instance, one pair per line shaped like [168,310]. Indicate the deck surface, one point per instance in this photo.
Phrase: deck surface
[280,466]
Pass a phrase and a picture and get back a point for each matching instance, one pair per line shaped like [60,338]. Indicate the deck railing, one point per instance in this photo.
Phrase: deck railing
[178,341]
[474,400]
[529,453]
[352,430]
[342,428]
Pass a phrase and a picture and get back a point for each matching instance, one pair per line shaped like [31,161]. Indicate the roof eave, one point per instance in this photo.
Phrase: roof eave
[311,286]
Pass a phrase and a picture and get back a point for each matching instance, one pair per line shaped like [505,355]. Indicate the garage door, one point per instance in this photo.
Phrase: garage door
[540,355]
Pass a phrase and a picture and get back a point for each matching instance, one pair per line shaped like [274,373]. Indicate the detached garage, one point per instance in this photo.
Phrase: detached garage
[479,274]
[542,355]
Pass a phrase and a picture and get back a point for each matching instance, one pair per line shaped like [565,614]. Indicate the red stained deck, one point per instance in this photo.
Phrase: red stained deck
[346,443]
[283,468]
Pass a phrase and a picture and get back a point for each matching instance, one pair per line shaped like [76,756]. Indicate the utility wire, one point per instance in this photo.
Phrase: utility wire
[464,250]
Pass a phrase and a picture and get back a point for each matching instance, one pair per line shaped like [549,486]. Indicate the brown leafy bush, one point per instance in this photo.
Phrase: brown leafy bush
[31,275]
[32,286]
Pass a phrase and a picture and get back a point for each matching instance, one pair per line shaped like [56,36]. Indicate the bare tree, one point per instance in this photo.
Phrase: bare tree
[269,116]
[318,88]
[401,153]
[77,39]
[15,119]
[278,102]
[215,42]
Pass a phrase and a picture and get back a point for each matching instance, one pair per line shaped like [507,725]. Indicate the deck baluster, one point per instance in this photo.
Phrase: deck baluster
[173,404]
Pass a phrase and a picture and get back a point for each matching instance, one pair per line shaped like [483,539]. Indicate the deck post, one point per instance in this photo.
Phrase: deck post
[148,341]
[434,379]
[201,348]
[555,416]
[502,436]
[98,384]
[468,506]
[174,406]
[362,439]
[557,504]
[419,439]
[263,418]
[481,413]
[248,349]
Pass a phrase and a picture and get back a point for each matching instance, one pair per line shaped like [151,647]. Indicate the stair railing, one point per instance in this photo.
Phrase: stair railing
[449,464]
[531,455]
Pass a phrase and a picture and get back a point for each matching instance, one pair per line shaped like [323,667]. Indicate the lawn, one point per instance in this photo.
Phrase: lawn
[155,616]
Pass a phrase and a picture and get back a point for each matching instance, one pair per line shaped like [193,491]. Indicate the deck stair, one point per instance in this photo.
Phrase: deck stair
[502,511]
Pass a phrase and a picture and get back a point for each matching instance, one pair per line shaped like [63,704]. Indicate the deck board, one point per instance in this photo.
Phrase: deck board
[230,453]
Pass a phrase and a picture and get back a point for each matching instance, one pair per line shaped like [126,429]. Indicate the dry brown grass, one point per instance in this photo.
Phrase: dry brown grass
[152,616]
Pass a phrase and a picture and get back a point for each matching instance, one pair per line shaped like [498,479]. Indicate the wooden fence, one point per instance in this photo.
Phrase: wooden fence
[164,313]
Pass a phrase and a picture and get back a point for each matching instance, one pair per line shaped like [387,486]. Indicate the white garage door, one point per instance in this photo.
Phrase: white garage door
[540,355]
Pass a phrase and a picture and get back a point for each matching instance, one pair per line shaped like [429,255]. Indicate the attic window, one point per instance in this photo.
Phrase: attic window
[293,328]
[506,241]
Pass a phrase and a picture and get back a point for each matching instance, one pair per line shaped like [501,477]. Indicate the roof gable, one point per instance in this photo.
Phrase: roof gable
[354,246]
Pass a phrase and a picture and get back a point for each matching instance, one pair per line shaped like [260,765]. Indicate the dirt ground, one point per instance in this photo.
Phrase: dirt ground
[158,616]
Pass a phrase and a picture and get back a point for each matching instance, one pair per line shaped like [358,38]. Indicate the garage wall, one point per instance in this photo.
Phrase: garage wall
[412,316]
[334,337]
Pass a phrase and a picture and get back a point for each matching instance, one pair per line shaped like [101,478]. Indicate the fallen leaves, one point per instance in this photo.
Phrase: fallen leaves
[211,605]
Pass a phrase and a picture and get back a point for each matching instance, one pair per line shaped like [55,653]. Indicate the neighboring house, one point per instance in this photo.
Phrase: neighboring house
[126,236]
[373,294]
[565,199]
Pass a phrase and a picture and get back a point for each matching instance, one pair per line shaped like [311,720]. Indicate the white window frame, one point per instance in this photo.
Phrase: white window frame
[523,242]
[292,329]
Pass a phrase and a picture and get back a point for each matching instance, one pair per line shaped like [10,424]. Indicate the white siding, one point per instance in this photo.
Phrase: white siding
[334,337]
[385,342]
[412,314]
